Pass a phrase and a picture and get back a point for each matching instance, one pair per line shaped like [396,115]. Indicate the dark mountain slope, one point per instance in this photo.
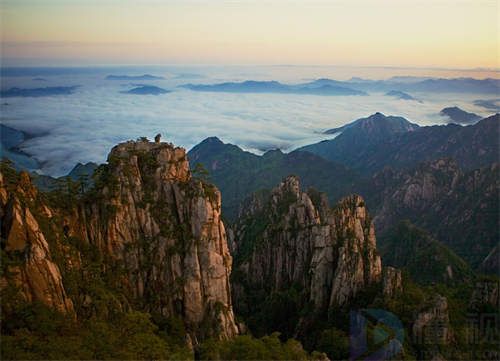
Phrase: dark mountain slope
[424,258]
[38,92]
[357,137]
[458,208]
[459,116]
[10,142]
[374,128]
[252,86]
[238,173]
[370,151]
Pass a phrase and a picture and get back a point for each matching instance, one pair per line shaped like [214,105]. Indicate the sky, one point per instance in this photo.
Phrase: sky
[416,33]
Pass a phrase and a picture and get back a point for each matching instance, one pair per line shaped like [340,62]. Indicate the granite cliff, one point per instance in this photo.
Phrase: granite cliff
[457,207]
[292,239]
[155,231]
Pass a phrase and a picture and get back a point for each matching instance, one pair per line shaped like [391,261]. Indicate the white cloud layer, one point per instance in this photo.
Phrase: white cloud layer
[84,126]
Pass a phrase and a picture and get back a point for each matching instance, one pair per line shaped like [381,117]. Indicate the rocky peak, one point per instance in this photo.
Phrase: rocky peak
[167,161]
[486,292]
[352,207]
[432,324]
[392,282]
[380,125]
[149,218]
[35,274]
[359,263]
[455,205]
[285,242]
[289,187]
[25,186]
[416,189]
[290,184]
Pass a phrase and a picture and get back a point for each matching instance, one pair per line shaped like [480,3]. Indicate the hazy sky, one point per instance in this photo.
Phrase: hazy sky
[424,33]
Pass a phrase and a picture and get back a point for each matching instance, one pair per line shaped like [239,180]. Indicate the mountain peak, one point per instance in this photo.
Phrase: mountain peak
[301,252]
[378,121]
[459,116]
[146,217]
[291,184]
[170,161]
[212,140]
[273,152]
[492,118]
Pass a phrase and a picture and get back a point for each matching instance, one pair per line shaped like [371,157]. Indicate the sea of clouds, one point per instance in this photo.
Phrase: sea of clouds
[82,127]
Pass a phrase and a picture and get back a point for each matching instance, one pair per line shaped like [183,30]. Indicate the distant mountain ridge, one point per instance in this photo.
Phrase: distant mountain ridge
[134,77]
[366,151]
[400,95]
[146,90]
[459,116]
[490,104]
[252,86]
[358,136]
[357,86]
[238,173]
[430,85]
[442,178]
[38,92]
[377,125]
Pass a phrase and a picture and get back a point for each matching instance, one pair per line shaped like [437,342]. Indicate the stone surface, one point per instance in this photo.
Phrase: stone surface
[148,216]
[458,208]
[486,292]
[432,325]
[289,239]
[36,275]
[392,282]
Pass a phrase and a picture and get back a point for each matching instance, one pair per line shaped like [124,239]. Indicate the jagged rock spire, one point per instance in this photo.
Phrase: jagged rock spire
[288,240]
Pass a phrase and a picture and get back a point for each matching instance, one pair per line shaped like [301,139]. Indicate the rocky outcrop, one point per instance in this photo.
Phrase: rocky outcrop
[458,208]
[290,237]
[486,293]
[491,264]
[35,274]
[408,247]
[432,325]
[416,190]
[392,282]
[156,224]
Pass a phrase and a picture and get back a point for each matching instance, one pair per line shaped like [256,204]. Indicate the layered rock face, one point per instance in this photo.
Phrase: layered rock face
[458,208]
[291,238]
[162,228]
[35,273]
[432,325]
[486,292]
[392,282]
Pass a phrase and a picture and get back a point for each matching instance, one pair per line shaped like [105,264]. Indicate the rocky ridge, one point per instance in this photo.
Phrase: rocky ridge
[35,273]
[146,217]
[457,207]
[293,238]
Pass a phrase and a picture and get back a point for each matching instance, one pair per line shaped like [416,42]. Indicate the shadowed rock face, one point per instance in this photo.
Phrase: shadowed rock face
[37,276]
[293,238]
[458,207]
[148,217]
[392,282]
[432,325]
